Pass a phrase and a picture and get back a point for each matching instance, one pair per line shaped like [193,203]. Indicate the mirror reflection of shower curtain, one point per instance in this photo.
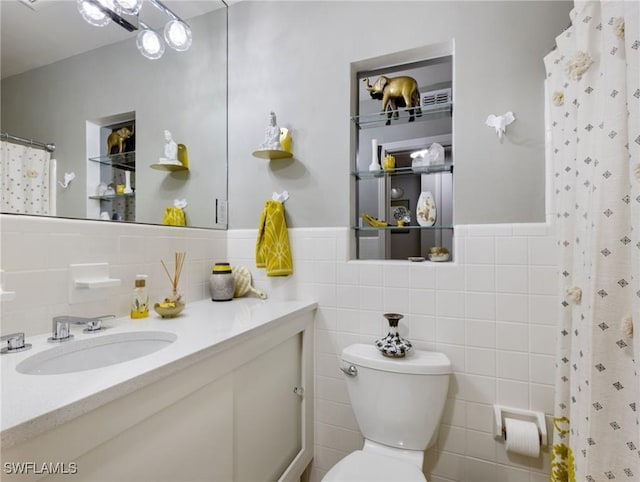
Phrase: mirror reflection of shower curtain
[24,179]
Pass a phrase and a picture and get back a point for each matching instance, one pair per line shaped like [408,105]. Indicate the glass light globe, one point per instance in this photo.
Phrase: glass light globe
[130,7]
[150,44]
[92,13]
[178,35]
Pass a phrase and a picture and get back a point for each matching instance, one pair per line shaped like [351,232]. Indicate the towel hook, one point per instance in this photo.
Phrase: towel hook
[282,197]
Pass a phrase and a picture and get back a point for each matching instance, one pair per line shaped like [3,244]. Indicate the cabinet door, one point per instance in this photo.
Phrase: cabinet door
[267,413]
[188,441]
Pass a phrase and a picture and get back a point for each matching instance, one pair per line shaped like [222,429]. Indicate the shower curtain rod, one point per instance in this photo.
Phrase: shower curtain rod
[47,147]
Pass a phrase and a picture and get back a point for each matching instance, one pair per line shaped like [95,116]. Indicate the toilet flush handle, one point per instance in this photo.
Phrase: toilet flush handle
[351,370]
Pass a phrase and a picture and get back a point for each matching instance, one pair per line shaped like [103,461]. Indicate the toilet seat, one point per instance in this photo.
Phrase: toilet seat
[360,466]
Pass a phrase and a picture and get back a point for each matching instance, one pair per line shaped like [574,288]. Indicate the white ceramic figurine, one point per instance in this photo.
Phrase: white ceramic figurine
[170,150]
[272,135]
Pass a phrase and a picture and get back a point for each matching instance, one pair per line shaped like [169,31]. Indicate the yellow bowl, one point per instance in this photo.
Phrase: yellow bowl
[438,258]
[169,310]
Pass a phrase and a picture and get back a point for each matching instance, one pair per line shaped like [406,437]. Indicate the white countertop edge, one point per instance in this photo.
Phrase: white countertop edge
[58,415]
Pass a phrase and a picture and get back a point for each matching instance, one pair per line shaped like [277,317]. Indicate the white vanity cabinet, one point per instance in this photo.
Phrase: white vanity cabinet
[243,413]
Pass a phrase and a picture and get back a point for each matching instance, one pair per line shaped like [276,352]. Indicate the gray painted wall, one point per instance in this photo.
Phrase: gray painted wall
[183,92]
[294,58]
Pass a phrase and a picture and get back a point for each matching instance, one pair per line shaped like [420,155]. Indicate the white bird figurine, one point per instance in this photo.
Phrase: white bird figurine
[500,123]
[68,177]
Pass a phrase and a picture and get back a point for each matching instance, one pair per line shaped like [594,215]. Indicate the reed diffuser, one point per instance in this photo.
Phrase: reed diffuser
[174,304]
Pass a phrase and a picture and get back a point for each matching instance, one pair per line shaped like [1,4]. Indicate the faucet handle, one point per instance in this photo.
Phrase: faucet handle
[15,343]
[93,324]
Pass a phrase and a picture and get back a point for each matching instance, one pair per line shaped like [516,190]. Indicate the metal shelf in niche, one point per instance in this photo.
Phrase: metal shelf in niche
[112,197]
[401,116]
[446,167]
[125,160]
[391,228]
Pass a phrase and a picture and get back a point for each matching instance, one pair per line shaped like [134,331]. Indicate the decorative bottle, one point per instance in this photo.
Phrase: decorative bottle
[140,299]
[375,163]
[127,180]
[393,345]
[221,283]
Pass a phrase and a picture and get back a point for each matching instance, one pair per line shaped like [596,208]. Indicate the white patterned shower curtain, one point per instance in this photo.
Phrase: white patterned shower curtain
[24,179]
[593,91]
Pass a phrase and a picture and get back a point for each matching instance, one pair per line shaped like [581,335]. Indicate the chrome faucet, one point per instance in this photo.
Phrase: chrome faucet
[60,329]
[15,343]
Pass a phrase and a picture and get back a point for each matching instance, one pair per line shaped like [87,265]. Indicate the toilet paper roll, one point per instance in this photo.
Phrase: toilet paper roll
[522,437]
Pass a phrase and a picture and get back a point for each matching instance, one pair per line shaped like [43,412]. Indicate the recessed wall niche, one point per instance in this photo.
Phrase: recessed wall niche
[403,156]
[111,168]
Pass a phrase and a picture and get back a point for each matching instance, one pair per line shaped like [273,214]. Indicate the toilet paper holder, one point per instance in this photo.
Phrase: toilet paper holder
[501,413]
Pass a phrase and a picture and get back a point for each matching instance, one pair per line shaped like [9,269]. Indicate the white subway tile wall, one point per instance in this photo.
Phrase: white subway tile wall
[36,253]
[492,312]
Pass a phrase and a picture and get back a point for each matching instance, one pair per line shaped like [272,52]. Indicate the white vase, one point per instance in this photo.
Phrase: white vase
[375,164]
[127,182]
[426,213]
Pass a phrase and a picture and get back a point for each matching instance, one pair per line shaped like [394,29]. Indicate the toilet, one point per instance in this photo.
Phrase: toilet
[398,404]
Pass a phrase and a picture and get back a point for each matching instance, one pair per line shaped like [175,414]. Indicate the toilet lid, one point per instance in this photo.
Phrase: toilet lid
[361,466]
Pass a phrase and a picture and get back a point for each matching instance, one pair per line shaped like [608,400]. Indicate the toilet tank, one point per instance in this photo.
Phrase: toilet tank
[397,401]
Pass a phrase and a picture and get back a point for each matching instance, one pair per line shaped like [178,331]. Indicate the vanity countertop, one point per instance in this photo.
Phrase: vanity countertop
[32,404]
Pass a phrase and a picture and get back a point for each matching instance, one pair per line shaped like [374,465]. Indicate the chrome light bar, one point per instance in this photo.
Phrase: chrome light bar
[113,16]
[177,34]
[163,8]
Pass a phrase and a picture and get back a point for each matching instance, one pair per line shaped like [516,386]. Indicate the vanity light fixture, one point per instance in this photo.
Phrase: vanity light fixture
[130,7]
[177,34]
[149,43]
[94,12]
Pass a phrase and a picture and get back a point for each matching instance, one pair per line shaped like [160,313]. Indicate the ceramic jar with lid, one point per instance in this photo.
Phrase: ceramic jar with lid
[221,282]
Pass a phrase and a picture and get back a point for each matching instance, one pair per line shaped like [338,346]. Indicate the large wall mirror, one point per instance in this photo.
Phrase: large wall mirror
[79,87]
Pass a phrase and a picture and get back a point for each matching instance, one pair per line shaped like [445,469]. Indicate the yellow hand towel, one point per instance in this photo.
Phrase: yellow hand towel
[272,246]
[174,216]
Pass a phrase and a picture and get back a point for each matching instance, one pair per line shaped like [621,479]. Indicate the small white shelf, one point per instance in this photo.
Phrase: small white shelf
[90,282]
[94,283]
[7,295]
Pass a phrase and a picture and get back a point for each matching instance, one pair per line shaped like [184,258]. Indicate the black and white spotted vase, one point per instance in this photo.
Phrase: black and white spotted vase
[393,345]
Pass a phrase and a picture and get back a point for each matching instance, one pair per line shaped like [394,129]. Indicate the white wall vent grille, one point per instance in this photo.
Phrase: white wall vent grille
[436,97]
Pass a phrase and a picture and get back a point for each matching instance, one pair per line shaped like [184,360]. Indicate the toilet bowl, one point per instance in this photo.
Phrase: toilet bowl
[361,466]
[398,404]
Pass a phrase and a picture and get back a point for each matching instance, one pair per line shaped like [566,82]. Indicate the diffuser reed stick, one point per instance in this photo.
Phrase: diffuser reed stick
[178,264]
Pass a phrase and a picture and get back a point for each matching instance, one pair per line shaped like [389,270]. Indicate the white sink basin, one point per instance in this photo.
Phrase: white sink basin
[98,352]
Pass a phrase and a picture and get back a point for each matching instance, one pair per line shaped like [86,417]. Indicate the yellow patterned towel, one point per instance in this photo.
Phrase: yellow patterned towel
[174,216]
[272,246]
